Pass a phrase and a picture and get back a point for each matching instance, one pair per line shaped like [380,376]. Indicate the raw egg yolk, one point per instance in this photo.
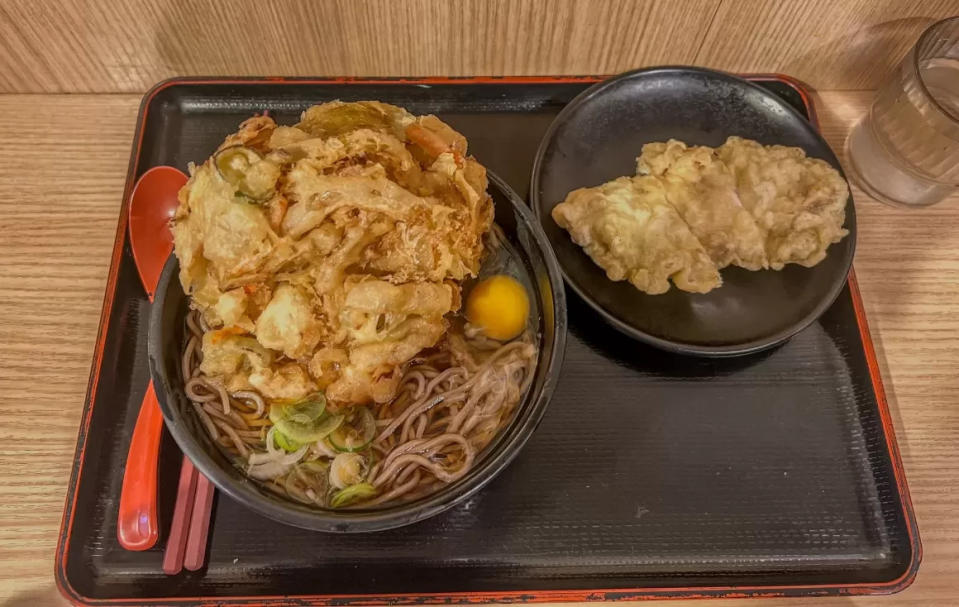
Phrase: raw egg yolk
[499,306]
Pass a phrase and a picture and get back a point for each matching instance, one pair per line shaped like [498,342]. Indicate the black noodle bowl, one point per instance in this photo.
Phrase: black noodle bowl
[210,425]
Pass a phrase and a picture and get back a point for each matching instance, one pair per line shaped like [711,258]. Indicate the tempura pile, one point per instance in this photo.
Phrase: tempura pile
[325,255]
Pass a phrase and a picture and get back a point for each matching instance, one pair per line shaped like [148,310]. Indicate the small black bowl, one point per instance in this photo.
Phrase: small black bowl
[598,136]
[166,338]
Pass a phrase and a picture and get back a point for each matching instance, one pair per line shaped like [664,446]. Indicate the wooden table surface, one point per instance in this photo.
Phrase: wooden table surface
[63,162]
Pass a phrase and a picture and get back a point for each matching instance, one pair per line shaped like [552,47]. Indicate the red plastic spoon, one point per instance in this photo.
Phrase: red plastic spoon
[152,204]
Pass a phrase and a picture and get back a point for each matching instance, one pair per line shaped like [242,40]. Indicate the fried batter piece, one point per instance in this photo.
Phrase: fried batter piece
[703,191]
[326,255]
[743,204]
[799,202]
[386,325]
[627,228]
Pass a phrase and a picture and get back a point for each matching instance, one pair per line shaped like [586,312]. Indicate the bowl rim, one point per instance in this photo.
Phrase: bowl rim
[504,450]
[720,351]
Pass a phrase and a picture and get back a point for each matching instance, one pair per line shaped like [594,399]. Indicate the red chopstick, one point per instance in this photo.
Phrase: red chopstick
[182,513]
[186,546]
[176,544]
[199,524]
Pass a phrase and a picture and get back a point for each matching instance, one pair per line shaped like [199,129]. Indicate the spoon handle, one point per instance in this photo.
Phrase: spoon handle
[137,527]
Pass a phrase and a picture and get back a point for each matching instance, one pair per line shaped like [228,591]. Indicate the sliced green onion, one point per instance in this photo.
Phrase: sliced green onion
[303,411]
[285,442]
[351,494]
[356,432]
[309,432]
[303,421]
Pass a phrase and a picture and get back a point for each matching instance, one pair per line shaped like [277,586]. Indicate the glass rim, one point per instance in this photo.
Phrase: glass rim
[926,33]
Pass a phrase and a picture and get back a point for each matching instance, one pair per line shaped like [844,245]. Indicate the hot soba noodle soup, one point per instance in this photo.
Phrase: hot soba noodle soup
[328,352]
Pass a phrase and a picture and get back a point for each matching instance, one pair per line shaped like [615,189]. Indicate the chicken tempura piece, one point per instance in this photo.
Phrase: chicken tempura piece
[627,228]
[799,202]
[703,190]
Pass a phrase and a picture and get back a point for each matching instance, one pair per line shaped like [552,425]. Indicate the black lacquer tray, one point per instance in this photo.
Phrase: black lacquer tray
[652,474]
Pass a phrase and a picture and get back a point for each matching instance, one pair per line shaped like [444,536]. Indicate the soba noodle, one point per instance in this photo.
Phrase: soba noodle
[450,404]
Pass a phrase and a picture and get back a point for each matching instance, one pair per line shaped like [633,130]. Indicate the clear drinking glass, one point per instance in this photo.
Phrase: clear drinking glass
[905,150]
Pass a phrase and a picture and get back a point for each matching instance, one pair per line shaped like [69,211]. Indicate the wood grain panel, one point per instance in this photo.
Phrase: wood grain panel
[851,44]
[60,189]
[108,46]
[105,46]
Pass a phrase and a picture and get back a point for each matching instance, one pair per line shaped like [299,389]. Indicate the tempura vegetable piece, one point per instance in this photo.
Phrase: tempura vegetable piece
[288,381]
[386,325]
[239,362]
[287,324]
[230,309]
[216,232]
[231,357]
[336,117]
[253,176]
[254,133]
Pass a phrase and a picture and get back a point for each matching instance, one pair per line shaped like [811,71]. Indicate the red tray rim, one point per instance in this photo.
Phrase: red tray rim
[540,596]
